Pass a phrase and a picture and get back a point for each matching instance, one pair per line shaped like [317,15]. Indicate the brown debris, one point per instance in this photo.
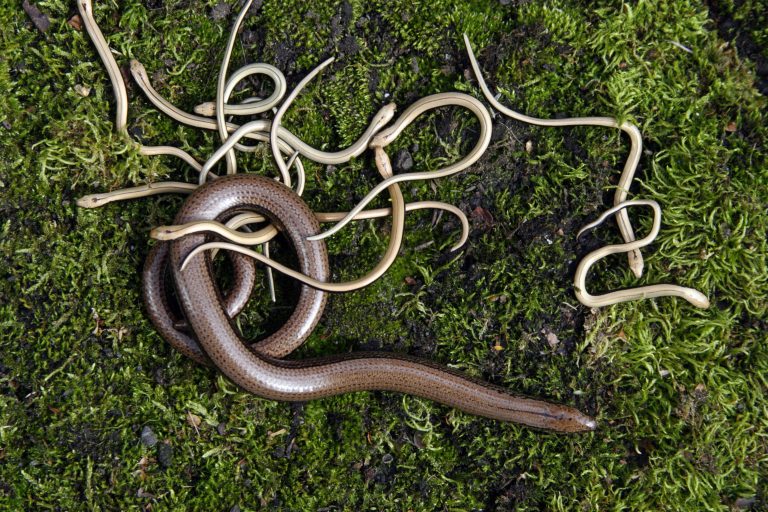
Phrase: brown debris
[482,216]
[76,22]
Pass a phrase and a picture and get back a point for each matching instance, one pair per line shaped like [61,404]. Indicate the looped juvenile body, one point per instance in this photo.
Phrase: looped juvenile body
[695,297]
[634,256]
[387,136]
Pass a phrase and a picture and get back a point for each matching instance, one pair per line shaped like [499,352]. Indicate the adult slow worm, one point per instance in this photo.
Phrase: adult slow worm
[232,200]
[162,315]
[278,379]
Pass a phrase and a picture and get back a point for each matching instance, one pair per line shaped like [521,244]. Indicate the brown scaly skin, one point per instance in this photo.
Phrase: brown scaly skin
[276,379]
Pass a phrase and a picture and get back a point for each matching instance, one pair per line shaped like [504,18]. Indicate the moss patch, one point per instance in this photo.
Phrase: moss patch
[680,394]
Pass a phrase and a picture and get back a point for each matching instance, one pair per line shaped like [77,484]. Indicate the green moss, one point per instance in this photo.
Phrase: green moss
[680,394]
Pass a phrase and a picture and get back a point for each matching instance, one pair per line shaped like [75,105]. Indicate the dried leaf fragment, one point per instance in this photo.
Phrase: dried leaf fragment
[76,22]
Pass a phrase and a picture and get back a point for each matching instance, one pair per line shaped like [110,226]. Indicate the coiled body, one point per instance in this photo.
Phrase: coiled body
[258,372]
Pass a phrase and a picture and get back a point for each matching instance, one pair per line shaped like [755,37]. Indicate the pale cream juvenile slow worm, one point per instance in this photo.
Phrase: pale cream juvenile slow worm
[395,240]
[273,132]
[259,130]
[102,47]
[385,137]
[85,7]
[695,297]
[250,108]
[228,230]
[635,257]
[221,122]
[163,187]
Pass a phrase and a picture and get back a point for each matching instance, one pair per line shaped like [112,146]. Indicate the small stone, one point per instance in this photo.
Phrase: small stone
[528,146]
[39,20]
[403,160]
[221,428]
[82,90]
[148,437]
[220,11]
[552,339]
[164,455]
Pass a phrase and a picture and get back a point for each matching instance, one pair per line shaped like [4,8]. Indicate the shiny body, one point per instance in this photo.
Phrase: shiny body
[321,377]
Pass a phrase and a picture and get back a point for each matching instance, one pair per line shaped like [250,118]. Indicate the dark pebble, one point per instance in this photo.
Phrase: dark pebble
[148,437]
[165,455]
[403,160]
[40,20]
[220,11]
[762,68]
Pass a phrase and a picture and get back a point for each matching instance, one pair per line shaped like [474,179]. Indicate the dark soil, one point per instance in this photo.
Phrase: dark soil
[741,34]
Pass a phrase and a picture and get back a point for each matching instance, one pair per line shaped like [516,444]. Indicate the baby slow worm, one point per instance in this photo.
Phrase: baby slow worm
[231,200]
[388,135]
[395,240]
[279,379]
[250,108]
[377,143]
[228,232]
[695,297]
[221,123]
[634,256]
[260,129]
[85,7]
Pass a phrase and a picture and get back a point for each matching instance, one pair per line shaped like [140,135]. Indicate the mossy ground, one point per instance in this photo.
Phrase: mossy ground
[680,394]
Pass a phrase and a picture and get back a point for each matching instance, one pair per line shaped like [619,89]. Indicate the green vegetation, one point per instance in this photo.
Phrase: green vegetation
[680,394]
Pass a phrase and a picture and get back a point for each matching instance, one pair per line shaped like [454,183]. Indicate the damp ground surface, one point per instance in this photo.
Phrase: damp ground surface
[97,412]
